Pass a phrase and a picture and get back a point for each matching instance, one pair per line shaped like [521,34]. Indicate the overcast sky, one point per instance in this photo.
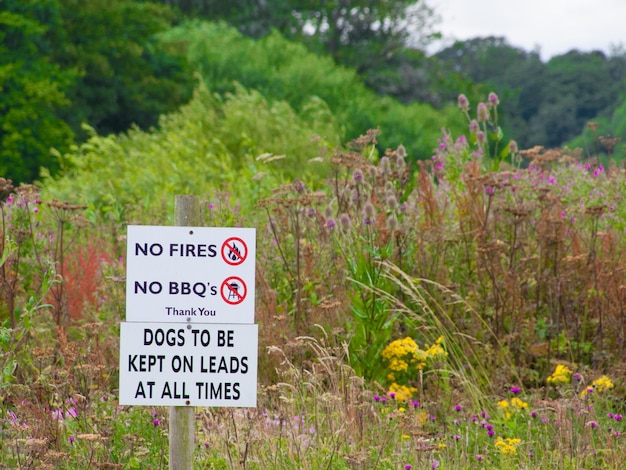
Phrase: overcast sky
[552,26]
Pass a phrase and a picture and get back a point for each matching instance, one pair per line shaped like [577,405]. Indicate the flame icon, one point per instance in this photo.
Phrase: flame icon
[234,253]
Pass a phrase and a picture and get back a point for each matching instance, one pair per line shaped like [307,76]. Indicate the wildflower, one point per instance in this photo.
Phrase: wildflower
[515,390]
[561,375]
[156,422]
[415,404]
[376,398]
[435,463]
[357,176]
[330,223]
[518,403]
[473,127]
[599,385]
[507,446]
[463,102]
[408,466]
[72,439]
[458,408]
[482,113]
[479,458]
[457,437]
[513,147]
[592,424]
[490,190]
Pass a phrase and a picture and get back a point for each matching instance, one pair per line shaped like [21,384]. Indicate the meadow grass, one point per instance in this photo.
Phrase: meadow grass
[451,313]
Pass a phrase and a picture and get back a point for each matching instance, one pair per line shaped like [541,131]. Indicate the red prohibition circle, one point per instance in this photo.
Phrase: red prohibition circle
[232,254]
[233,290]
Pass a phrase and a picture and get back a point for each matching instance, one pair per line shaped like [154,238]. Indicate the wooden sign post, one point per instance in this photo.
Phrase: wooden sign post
[182,418]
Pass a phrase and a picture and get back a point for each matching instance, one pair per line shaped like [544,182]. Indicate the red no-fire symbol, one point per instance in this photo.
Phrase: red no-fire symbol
[233,290]
[234,251]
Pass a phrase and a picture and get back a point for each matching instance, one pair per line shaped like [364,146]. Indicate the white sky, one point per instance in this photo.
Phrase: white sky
[552,26]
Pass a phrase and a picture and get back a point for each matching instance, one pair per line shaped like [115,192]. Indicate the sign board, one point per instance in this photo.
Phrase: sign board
[203,273]
[188,364]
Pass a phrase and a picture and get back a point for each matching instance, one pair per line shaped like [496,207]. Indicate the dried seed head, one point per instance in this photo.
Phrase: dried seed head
[328,212]
[298,186]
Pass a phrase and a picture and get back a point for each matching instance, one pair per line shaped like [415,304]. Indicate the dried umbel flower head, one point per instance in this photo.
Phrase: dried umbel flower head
[298,186]
[463,102]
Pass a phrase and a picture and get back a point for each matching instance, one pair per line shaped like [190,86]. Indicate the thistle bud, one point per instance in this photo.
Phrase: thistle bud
[473,126]
[493,99]
[401,151]
[481,138]
[513,147]
[368,210]
[482,113]
[392,222]
[463,102]
[392,202]
[345,222]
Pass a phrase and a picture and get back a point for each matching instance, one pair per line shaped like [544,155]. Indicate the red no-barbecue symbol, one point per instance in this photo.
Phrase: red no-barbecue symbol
[233,290]
[234,251]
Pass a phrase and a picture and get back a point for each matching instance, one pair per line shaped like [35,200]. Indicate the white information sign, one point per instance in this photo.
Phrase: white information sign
[203,273]
[166,364]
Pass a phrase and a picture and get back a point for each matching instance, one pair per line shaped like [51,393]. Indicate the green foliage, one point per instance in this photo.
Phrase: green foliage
[211,145]
[126,77]
[33,90]
[284,70]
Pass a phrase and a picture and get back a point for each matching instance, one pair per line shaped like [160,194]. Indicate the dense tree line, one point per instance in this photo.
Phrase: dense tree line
[548,103]
[66,63]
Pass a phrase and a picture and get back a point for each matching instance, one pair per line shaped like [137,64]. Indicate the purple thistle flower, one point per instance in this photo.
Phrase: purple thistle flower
[156,422]
[515,390]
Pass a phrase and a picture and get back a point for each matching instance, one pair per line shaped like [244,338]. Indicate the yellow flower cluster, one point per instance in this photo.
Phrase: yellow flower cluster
[561,375]
[402,392]
[599,385]
[507,446]
[404,352]
[516,404]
